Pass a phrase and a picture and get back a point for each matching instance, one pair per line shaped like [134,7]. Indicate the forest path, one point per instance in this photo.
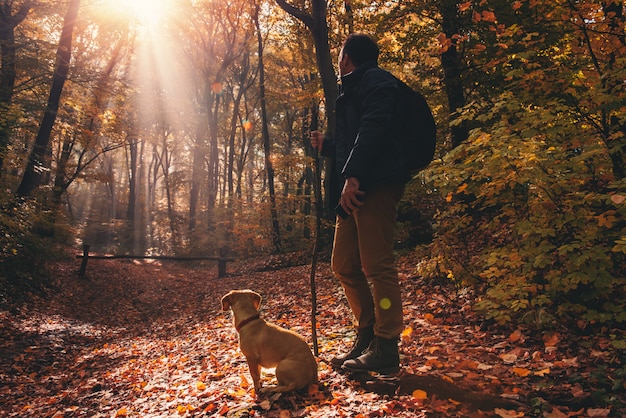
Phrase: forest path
[149,339]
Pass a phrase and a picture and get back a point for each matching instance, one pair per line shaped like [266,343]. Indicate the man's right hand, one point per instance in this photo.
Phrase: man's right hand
[317,140]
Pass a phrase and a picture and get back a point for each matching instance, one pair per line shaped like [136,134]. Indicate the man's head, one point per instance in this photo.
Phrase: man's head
[357,49]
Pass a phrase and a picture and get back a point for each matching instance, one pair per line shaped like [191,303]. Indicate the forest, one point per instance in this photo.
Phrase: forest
[181,128]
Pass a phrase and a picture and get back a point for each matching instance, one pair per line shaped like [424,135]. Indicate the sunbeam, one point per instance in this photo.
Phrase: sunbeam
[147,13]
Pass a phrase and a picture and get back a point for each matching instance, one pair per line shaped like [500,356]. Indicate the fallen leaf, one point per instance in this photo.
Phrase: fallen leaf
[509,358]
[515,336]
[505,413]
[598,412]
[420,394]
[618,199]
[521,371]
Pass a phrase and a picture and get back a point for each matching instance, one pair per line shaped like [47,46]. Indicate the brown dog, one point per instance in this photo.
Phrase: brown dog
[268,345]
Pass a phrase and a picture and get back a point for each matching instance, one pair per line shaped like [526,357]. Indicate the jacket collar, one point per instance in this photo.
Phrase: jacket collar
[350,80]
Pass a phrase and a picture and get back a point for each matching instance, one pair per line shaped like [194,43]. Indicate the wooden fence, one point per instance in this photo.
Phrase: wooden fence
[221,261]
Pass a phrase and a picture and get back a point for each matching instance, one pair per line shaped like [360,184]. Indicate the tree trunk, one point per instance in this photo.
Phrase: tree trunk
[316,23]
[8,23]
[266,139]
[32,175]
[199,152]
[452,63]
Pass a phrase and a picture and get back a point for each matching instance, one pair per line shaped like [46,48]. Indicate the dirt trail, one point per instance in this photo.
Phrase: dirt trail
[150,339]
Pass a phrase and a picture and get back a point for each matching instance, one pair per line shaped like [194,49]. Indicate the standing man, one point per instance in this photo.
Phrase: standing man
[369,176]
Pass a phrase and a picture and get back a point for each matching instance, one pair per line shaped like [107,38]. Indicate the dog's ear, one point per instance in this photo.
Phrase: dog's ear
[256,298]
[226,301]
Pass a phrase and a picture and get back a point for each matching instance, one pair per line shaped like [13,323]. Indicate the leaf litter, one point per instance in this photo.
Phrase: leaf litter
[147,339]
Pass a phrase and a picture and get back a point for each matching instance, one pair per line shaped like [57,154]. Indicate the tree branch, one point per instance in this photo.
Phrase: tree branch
[304,17]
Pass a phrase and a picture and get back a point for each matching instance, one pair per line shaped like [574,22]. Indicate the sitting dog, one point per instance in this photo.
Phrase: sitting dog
[268,345]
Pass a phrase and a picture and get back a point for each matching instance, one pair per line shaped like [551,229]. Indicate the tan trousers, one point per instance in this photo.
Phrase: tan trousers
[363,257]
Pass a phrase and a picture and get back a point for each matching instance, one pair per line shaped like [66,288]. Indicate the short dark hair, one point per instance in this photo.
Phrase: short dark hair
[361,48]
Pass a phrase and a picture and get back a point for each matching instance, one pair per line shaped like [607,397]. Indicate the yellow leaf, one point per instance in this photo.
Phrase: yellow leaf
[406,334]
[420,394]
[542,372]
[200,386]
[521,371]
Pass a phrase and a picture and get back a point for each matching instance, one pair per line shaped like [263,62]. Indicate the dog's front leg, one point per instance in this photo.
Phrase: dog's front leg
[255,372]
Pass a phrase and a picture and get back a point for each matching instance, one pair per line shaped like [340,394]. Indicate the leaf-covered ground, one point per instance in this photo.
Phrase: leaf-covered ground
[142,339]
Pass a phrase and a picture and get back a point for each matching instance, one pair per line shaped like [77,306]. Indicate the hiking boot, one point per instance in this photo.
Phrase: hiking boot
[382,356]
[364,337]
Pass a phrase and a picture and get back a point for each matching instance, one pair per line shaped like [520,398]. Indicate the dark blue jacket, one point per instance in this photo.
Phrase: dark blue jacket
[366,145]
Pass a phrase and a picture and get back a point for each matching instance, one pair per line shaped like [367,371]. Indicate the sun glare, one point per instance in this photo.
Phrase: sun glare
[147,13]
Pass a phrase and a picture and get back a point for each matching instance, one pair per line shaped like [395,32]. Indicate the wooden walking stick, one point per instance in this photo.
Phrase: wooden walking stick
[317,191]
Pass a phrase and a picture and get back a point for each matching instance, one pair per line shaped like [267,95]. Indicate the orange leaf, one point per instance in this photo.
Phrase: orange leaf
[429,317]
[515,336]
[122,412]
[244,382]
[200,386]
[210,408]
[488,16]
[521,371]
[420,394]
[551,340]
[465,6]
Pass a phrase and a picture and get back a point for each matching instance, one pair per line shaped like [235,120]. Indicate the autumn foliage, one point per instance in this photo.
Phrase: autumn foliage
[536,195]
[167,141]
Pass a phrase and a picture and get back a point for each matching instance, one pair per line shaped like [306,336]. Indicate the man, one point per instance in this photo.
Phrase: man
[370,175]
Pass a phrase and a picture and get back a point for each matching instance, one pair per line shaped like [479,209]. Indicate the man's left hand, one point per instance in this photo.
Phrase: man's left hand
[351,196]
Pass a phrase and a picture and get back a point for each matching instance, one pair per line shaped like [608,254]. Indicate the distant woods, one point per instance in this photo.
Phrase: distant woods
[188,135]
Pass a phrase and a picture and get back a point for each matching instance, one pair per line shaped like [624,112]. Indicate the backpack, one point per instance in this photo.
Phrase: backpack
[417,128]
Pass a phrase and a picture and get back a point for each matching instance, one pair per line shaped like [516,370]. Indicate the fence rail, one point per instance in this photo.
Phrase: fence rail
[221,261]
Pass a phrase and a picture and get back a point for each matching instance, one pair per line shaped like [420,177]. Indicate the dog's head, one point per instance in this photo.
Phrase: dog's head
[234,296]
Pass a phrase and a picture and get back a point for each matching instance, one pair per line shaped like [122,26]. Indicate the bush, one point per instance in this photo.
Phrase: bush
[30,237]
[537,221]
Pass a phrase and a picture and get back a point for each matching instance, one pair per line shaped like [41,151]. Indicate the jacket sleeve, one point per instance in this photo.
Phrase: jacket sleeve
[328,147]
[377,94]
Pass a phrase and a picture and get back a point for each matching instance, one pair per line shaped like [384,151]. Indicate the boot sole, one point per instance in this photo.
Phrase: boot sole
[387,370]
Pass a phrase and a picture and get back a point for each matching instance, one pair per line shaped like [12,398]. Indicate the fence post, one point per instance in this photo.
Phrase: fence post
[83,265]
[221,262]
